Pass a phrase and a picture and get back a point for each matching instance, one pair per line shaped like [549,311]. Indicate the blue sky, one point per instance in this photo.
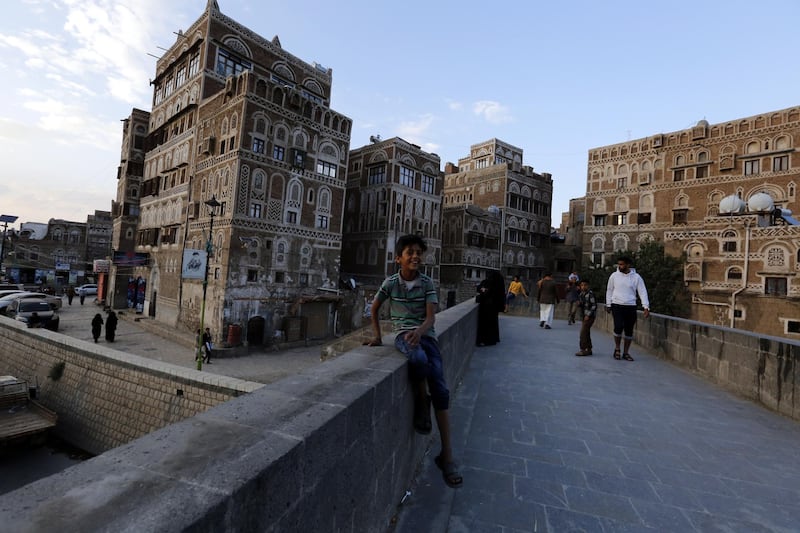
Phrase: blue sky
[552,78]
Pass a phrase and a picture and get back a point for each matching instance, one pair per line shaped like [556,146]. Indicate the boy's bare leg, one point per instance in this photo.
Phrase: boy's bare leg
[443,421]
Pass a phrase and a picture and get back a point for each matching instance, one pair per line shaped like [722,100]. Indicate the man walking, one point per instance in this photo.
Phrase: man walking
[588,306]
[572,298]
[623,286]
[548,298]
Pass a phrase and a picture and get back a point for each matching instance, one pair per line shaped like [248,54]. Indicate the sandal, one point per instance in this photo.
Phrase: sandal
[449,472]
[422,416]
[627,357]
[617,355]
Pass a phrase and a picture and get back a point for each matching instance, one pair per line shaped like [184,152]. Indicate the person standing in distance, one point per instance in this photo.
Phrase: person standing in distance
[515,288]
[572,298]
[413,302]
[548,298]
[624,285]
[588,306]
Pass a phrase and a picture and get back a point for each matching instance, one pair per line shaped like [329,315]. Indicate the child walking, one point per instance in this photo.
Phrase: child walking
[588,306]
[413,301]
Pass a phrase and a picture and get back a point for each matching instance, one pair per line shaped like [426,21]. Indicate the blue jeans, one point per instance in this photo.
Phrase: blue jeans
[425,363]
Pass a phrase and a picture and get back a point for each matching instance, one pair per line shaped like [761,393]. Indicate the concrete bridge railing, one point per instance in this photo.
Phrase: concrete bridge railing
[329,449]
[332,448]
[761,368]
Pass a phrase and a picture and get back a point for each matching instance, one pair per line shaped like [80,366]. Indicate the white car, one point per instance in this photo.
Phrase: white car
[54,301]
[90,289]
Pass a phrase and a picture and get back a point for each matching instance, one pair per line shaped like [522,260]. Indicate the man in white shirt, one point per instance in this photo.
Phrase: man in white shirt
[623,286]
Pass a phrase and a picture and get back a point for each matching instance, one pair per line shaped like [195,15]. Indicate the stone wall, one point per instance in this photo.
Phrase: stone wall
[329,449]
[105,398]
[761,368]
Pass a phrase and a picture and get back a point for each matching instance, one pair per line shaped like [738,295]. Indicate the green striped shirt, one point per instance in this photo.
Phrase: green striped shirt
[408,306]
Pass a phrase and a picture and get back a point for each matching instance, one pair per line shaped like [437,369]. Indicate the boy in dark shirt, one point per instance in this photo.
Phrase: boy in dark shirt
[588,306]
[413,301]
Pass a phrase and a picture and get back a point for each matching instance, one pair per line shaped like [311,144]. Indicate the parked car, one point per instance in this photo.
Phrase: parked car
[54,301]
[89,289]
[35,312]
[6,292]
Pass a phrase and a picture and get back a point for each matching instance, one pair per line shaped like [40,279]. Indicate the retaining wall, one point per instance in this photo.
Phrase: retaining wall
[105,398]
[329,449]
[761,368]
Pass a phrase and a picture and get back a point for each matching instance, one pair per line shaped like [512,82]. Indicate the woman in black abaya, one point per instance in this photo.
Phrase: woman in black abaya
[491,301]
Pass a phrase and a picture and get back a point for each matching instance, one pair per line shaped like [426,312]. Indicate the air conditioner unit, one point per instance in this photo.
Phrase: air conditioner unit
[191,210]
[207,146]
[658,140]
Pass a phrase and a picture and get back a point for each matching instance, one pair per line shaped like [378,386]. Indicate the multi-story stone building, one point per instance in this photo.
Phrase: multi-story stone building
[98,236]
[239,120]
[471,248]
[125,208]
[671,187]
[393,188]
[51,254]
[492,177]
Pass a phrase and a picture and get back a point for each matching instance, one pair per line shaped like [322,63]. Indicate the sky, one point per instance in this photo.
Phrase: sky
[553,78]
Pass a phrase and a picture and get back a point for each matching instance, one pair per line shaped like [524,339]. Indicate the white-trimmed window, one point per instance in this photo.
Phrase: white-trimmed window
[377,175]
[326,168]
[406,176]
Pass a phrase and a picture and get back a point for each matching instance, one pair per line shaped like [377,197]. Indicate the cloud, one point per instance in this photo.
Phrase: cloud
[411,129]
[454,105]
[492,111]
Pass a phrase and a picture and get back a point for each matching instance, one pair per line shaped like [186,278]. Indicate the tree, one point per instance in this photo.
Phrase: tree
[662,274]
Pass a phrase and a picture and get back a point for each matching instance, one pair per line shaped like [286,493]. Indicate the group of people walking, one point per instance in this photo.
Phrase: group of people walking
[111,326]
[624,286]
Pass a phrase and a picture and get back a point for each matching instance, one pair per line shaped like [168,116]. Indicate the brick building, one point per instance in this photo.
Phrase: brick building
[125,208]
[493,177]
[742,264]
[393,188]
[239,119]
[49,255]
[471,248]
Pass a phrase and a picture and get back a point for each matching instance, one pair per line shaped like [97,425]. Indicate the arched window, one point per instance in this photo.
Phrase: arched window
[733,273]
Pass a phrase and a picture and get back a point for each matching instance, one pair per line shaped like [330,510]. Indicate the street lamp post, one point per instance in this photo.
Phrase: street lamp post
[212,204]
[6,220]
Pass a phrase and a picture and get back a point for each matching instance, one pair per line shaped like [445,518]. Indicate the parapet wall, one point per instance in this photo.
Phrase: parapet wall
[329,449]
[761,368]
[105,398]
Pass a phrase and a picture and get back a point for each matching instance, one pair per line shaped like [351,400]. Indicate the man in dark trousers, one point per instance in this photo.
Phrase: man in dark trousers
[207,345]
[588,307]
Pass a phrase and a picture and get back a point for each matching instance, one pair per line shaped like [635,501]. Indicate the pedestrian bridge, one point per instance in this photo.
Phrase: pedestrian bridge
[686,438]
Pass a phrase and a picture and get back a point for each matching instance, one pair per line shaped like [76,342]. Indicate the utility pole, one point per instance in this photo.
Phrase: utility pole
[6,220]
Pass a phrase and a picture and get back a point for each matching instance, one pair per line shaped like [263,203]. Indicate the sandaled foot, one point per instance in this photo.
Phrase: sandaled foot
[422,416]
[627,357]
[617,355]
[449,472]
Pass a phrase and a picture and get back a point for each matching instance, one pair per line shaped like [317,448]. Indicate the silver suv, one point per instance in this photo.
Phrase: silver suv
[33,312]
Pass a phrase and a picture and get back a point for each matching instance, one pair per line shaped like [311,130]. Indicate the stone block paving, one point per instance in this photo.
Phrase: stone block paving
[551,442]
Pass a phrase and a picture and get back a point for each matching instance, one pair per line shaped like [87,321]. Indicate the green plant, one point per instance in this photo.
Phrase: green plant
[662,274]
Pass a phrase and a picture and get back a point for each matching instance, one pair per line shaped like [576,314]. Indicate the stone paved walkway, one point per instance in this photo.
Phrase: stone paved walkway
[550,442]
